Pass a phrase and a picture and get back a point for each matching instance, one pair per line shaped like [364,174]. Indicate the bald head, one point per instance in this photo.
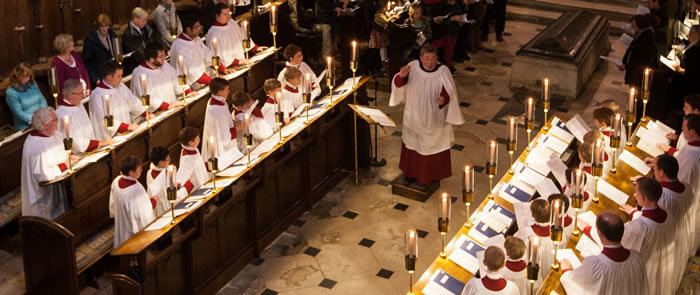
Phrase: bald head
[610,226]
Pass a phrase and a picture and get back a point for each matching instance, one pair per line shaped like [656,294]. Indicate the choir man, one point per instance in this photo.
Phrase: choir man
[192,166]
[650,233]
[218,122]
[691,105]
[689,163]
[196,57]
[430,95]
[229,38]
[616,270]
[112,97]
[129,203]
[157,180]
[43,159]
[158,79]
[70,109]
[491,282]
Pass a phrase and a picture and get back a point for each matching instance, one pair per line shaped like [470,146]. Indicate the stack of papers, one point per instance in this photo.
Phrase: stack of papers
[537,159]
[441,283]
[558,169]
[186,206]
[634,162]
[503,215]
[528,175]
[553,142]
[377,116]
[649,137]
[611,192]
[578,127]
[486,228]
[465,254]
[546,188]
[160,223]
[569,255]
[513,193]
[560,130]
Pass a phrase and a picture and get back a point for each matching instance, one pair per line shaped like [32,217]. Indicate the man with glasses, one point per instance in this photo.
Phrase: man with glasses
[70,109]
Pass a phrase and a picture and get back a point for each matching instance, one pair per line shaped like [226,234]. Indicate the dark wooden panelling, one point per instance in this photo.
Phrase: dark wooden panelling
[171,274]
[205,253]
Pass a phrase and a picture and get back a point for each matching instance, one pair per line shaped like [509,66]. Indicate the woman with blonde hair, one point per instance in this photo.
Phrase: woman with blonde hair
[23,96]
[99,47]
[68,64]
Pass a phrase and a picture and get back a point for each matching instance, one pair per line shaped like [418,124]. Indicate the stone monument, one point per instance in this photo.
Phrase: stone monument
[567,52]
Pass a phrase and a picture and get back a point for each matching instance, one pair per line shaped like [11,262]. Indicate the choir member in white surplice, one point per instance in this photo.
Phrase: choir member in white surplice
[677,199]
[431,108]
[293,90]
[615,271]
[192,166]
[492,281]
[43,159]
[689,164]
[295,59]
[691,105]
[603,120]
[273,89]
[255,123]
[159,79]
[129,203]
[650,233]
[536,225]
[218,121]
[79,126]
[229,38]
[515,269]
[157,180]
[123,105]
[196,56]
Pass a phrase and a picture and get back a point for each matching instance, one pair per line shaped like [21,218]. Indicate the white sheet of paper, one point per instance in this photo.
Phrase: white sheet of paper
[159,223]
[554,143]
[320,77]
[558,169]
[569,255]
[529,176]
[588,247]
[634,162]
[588,217]
[663,127]
[626,39]
[671,64]
[463,259]
[546,188]
[537,157]
[649,147]
[578,127]
[232,171]
[229,157]
[641,9]
[611,60]
[611,192]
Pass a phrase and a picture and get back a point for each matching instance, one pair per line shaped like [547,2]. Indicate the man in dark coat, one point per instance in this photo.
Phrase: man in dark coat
[137,36]
[641,52]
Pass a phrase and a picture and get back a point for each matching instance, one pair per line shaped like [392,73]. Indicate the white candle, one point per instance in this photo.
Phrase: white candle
[631,100]
[247,121]
[212,146]
[105,104]
[647,79]
[468,179]
[512,130]
[246,32]
[578,182]
[66,126]
[215,46]
[273,15]
[617,123]
[354,51]
[556,212]
[329,68]
[493,152]
[545,90]
[445,206]
[534,251]
[171,176]
[598,152]
[117,46]
[530,109]
[278,99]
[181,65]
[308,83]
[411,243]
[144,84]
[54,81]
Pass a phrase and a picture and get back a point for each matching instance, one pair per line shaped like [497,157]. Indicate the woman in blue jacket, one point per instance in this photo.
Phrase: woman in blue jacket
[23,96]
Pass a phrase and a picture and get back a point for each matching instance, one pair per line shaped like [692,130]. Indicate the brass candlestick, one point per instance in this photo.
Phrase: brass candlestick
[577,204]
[213,167]
[511,146]
[410,261]
[468,199]
[306,96]
[146,102]
[279,119]
[54,93]
[533,270]
[109,123]
[353,68]
[68,147]
[443,228]
[249,146]
[216,64]
[246,47]
[631,118]
[491,170]
[529,126]
[645,99]
[182,80]
[597,171]
[172,196]
[273,30]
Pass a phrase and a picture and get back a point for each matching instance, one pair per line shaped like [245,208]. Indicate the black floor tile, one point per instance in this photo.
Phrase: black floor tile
[421,233]
[401,206]
[328,284]
[385,273]
[311,251]
[366,242]
[350,214]
[457,147]
[482,122]
[269,292]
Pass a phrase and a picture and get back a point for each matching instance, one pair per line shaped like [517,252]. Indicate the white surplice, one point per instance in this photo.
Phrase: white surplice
[43,159]
[516,272]
[653,238]
[162,85]
[230,39]
[490,284]
[192,167]
[124,106]
[303,68]
[601,275]
[195,55]
[427,128]
[130,206]
[84,139]
[292,98]
[545,254]
[689,172]
[258,127]
[677,199]
[156,183]
[218,122]
[269,109]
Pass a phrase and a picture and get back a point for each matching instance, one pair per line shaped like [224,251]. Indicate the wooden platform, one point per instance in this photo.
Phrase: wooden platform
[413,190]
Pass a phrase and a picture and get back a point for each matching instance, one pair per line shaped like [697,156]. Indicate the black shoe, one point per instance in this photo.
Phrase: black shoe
[499,38]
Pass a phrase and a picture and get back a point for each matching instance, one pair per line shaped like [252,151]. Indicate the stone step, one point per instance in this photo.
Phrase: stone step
[527,13]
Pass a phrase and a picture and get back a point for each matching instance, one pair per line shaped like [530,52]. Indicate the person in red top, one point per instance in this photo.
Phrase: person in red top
[69,64]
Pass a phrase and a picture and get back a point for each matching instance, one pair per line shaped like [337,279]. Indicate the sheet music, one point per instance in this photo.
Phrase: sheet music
[569,255]
[588,247]
[578,127]
[558,169]
[441,283]
[536,159]
[660,126]
[229,157]
[547,188]
[641,9]
[613,193]
[160,223]
[320,77]
[529,176]
[615,61]
[635,162]
[232,171]
[465,259]
[377,116]
[671,64]
[553,142]
[626,39]
[649,147]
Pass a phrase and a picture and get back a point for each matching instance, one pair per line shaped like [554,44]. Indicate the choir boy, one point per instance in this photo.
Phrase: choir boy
[295,59]
[292,91]
[256,124]
[157,180]
[218,121]
[491,282]
[192,165]
[515,266]
[273,91]
[129,203]
[539,227]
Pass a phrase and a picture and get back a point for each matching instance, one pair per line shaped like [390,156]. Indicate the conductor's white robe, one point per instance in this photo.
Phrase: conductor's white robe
[162,85]
[218,122]
[195,55]
[124,106]
[427,126]
[651,234]
[615,271]
[490,286]
[130,206]
[43,159]
[230,38]
[84,139]
[678,201]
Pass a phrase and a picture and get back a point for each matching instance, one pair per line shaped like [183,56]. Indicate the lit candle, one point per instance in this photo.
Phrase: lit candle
[247,121]
[215,46]
[308,82]
[66,126]
[445,205]
[578,182]
[411,243]
[545,90]
[117,46]
[388,6]
[354,51]
[171,176]
[556,212]
[530,109]
[631,100]
[181,65]
[534,251]
[512,130]
[278,99]
[54,81]
[246,32]
[105,104]
[468,179]
[273,15]
[598,152]
[329,68]
[617,124]
[647,79]
[144,84]
[493,152]
[212,146]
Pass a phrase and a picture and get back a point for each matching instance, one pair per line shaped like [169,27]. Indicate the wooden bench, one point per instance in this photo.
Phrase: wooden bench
[53,260]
